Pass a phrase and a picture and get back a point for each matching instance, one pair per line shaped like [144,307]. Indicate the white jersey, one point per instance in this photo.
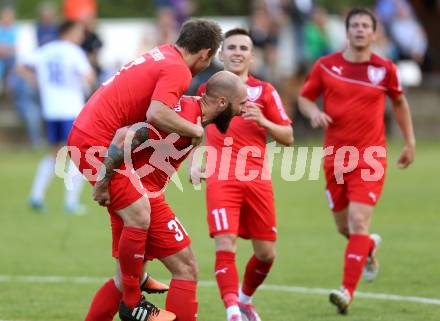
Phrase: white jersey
[60,67]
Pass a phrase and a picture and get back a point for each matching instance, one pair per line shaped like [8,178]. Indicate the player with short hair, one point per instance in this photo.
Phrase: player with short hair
[145,89]
[61,70]
[167,239]
[236,205]
[354,84]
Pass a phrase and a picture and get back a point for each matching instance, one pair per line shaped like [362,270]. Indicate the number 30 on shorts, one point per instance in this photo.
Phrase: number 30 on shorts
[176,226]
[220,218]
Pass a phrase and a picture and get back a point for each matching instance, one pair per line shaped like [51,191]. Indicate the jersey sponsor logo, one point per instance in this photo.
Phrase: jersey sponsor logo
[254,92]
[376,74]
[337,70]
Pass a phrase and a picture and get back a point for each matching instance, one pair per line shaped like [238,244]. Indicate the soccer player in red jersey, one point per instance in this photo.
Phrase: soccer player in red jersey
[167,240]
[354,84]
[239,203]
[145,89]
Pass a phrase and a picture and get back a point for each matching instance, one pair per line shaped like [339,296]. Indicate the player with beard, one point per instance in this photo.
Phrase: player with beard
[354,84]
[167,240]
[237,205]
[146,89]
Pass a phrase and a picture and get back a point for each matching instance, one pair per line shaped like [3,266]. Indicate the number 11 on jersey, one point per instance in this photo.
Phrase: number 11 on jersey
[220,218]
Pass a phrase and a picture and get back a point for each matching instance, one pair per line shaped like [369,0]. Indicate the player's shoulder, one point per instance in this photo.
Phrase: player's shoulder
[188,107]
[379,61]
[330,59]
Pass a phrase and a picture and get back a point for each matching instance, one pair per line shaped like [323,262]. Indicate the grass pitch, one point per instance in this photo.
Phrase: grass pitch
[309,249]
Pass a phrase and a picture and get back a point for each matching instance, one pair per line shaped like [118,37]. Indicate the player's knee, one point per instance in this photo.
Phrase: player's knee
[358,224]
[139,219]
[267,256]
[225,243]
[187,270]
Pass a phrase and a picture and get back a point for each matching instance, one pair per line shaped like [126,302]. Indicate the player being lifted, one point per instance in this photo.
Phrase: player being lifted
[354,84]
[237,207]
[147,89]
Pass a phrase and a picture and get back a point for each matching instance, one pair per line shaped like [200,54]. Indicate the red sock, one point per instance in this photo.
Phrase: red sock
[131,258]
[182,300]
[105,304]
[256,272]
[227,277]
[356,254]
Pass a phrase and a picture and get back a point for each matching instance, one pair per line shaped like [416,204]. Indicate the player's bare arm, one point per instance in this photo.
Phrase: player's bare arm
[318,119]
[402,113]
[114,159]
[282,134]
[165,118]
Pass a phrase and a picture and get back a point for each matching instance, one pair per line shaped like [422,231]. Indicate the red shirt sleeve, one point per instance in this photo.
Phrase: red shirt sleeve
[312,87]
[172,83]
[394,87]
[274,107]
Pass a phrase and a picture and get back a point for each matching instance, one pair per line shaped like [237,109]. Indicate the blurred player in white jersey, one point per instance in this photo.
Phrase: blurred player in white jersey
[63,74]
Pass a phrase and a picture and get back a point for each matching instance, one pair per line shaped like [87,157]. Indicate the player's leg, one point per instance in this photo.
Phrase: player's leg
[256,272]
[181,297]
[46,168]
[341,221]
[258,221]
[73,192]
[226,273]
[131,248]
[105,303]
[224,200]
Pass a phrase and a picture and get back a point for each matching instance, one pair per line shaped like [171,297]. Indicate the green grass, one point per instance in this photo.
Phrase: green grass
[309,250]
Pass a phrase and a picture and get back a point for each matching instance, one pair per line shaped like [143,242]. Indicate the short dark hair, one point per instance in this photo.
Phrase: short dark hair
[198,34]
[360,11]
[237,31]
[66,26]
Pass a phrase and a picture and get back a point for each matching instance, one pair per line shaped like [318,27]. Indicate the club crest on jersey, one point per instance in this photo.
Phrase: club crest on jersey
[376,74]
[254,92]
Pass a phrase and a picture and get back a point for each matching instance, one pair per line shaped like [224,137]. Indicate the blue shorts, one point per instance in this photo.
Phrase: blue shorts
[58,131]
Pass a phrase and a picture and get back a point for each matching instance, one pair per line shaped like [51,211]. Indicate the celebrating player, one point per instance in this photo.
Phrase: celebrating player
[145,89]
[167,240]
[236,205]
[354,84]
[61,69]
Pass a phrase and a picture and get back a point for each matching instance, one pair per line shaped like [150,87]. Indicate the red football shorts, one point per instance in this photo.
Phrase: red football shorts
[123,189]
[166,235]
[354,188]
[245,209]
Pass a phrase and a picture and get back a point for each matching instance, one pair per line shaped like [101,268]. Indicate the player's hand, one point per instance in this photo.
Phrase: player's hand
[320,120]
[101,193]
[252,111]
[195,141]
[196,175]
[406,156]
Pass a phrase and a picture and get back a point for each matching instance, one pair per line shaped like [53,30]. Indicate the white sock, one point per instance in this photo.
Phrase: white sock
[233,310]
[243,298]
[73,193]
[45,173]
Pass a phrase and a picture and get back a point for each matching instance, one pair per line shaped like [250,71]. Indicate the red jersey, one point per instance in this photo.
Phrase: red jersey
[245,134]
[354,97]
[161,74]
[168,151]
